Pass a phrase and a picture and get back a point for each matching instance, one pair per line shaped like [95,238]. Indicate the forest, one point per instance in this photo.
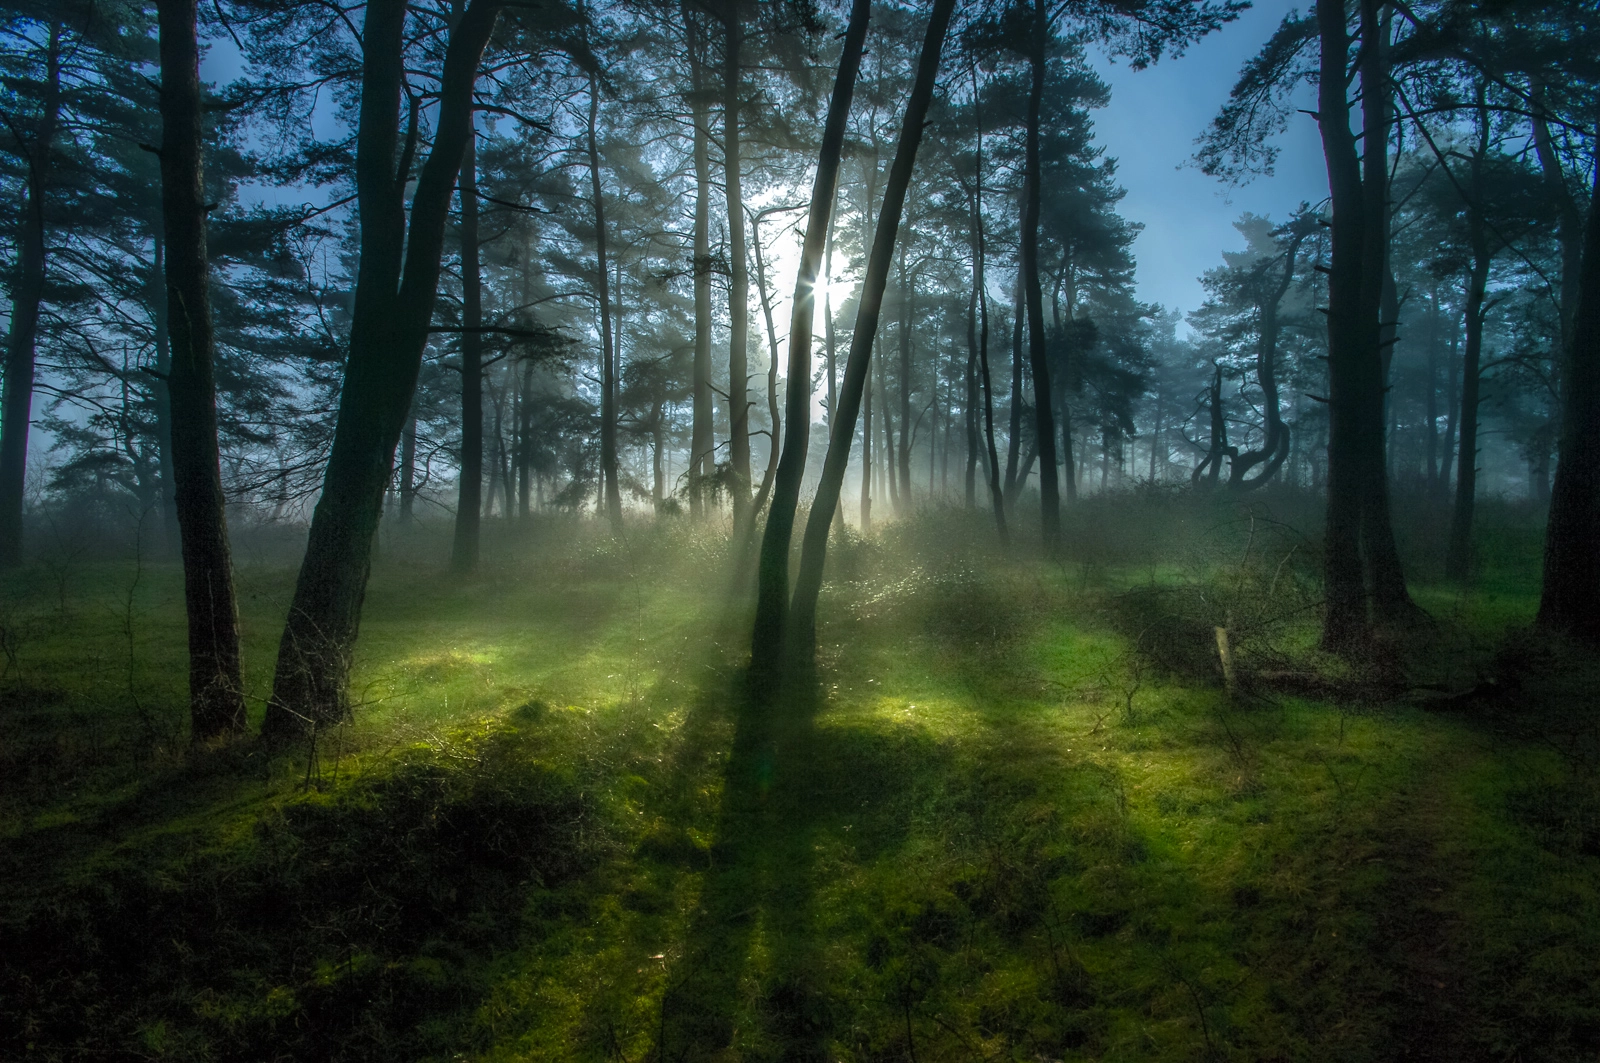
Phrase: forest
[675,530]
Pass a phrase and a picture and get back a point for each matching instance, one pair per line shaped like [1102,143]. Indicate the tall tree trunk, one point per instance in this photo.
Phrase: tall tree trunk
[524,437]
[1571,562]
[1014,429]
[866,457]
[1452,416]
[992,465]
[738,269]
[1432,397]
[1033,181]
[1345,621]
[772,590]
[27,293]
[890,465]
[396,285]
[608,352]
[1385,573]
[773,414]
[969,380]
[1458,557]
[469,502]
[907,313]
[702,445]
[801,628]
[216,693]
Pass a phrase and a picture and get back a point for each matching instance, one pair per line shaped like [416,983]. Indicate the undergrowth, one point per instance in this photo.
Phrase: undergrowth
[1020,816]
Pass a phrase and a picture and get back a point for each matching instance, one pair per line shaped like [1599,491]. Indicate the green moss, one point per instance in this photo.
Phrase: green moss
[1019,818]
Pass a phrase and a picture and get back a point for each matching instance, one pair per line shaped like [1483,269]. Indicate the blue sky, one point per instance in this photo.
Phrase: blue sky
[1150,127]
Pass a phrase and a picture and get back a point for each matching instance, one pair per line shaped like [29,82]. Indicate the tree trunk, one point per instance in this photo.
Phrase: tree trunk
[408,470]
[524,438]
[890,465]
[702,445]
[1433,394]
[1571,562]
[608,353]
[1345,621]
[768,475]
[27,294]
[772,591]
[969,380]
[866,457]
[469,503]
[1049,501]
[1275,435]
[738,270]
[1014,437]
[216,693]
[1458,558]
[1385,573]
[396,285]
[801,628]
[907,310]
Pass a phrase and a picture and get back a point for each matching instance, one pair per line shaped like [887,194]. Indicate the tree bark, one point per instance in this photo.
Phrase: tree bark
[801,627]
[1385,574]
[738,269]
[1049,500]
[773,414]
[702,444]
[907,312]
[469,502]
[1571,562]
[608,352]
[1014,436]
[1345,623]
[772,590]
[396,285]
[1458,557]
[27,294]
[216,692]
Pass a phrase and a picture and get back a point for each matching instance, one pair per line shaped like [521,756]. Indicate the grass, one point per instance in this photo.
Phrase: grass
[1018,817]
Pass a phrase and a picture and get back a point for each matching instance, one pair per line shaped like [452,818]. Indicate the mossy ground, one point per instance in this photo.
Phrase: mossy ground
[1017,817]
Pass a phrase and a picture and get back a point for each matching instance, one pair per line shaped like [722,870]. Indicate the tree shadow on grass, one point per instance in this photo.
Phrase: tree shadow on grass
[750,952]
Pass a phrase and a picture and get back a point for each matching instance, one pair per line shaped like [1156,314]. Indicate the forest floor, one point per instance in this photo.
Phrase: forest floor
[1019,817]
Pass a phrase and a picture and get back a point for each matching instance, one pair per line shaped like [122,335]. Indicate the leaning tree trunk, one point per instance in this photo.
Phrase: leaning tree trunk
[396,284]
[1571,562]
[1275,442]
[738,271]
[702,441]
[1038,359]
[602,292]
[469,503]
[27,293]
[772,591]
[216,694]
[801,627]
[1344,592]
